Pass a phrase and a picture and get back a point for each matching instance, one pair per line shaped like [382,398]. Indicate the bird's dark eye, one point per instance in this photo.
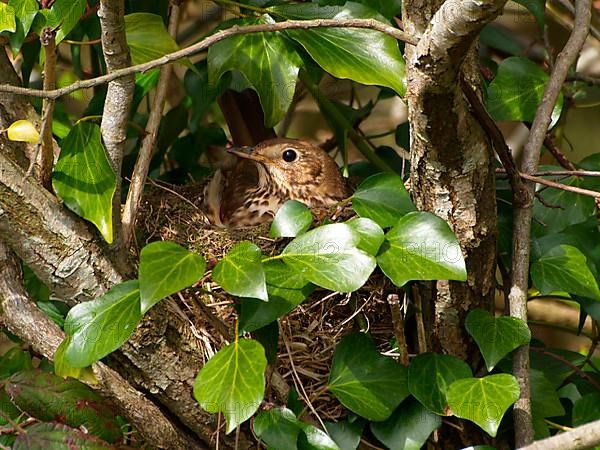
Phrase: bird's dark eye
[289,155]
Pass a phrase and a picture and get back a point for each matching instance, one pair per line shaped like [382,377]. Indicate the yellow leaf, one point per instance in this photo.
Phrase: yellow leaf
[24,131]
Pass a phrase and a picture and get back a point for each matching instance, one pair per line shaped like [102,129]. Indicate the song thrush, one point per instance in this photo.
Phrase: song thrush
[267,175]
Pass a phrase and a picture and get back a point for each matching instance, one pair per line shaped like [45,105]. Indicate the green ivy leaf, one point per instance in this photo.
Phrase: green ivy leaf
[421,247]
[586,409]
[48,397]
[268,61]
[383,198]
[166,268]
[537,8]
[315,439]
[574,208]
[408,428]
[147,37]
[364,381]
[345,433]
[544,398]
[7,18]
[241,272]
[65,15]
[371,234]
[278,428]
[57,436]
[63,369]
[84,179]
[328,256]
[496,337]
[483,400]
[387,8]
[517,91]
[564,269]
[232,382]
[292,219]
[101,326]
[348,52]
[14,360]
[430,375]
[25,11]
[286,289]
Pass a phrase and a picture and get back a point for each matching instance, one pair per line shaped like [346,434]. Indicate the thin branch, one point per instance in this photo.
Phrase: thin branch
[562,173]
[398,321]
[142,164]
[592,81]
[564,187]
[117,104]
[45,153]
[204,44]
[523,213]
[558,155]
[578,370]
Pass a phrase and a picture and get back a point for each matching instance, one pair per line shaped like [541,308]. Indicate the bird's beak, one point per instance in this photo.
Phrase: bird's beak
[246,153]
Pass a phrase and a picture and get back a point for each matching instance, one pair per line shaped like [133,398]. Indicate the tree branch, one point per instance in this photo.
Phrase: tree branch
[523,213]
[583,437]
[209,41]
[25,320]
[117,104]
[142,164]
[45,159]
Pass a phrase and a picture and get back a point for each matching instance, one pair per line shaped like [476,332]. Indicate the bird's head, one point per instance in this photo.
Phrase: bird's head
[302,170]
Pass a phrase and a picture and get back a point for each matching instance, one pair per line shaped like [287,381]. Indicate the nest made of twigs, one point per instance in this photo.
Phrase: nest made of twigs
[307,336]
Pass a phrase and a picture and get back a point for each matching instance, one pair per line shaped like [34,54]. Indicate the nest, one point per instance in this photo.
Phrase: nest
[307,336]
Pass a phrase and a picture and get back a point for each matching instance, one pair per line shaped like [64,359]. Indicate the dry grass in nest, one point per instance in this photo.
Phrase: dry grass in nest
[308,335]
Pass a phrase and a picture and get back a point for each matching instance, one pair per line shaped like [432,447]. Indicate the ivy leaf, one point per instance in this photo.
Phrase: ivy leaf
[537,8]
[517,91]
[371,234]
[364,381]
[421,247]
[48,397]
[84,179]
[574,208]
[166,268]
[25,12]
[483,400]
[292,219]
[232,382]
[315,439]
[147,37]
[328,256]
[383,198]
[268,61]
[564,269]
[346,433]
[430,375]
[496,337]
[348,52]
[387,8]
[23,131]
[408,428]
[241,272]
[14,360]
[57,436]
[101,326]
[544,398]
[65,15]
[7,18]
[278,428]
[286,289]
[586,409]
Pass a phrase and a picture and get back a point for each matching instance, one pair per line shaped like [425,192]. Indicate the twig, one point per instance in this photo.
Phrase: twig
[564,187]
[142,164]
[211,40]
[585,79]
[562,173]
[558,155]
[523,214]
[45,155]
[566,362]
[398,321]
[211,318]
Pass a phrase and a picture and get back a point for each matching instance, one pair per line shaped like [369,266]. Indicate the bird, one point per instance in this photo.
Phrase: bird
[265,176]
